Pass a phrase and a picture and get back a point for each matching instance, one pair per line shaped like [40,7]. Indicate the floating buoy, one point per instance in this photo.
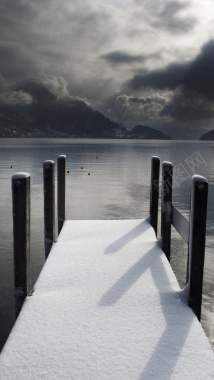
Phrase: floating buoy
[97,157]
[81,167]
[11,166]
[68,171]
[89,173]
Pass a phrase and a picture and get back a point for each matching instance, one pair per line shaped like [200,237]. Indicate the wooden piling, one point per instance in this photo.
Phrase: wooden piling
[49,205]
[166,207]
[154,192]
[61,170]
[199,195]
[21,237]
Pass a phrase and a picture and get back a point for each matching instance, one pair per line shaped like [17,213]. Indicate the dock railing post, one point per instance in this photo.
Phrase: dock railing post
[61,169]
[166,207]
[154,192]
[21,237]
[199,195]
[49,205]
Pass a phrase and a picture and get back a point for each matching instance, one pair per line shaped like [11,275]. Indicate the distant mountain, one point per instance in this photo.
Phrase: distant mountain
[208,136]
[144,132]
[48,116]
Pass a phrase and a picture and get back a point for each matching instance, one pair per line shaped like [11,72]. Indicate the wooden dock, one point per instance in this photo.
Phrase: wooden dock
[107,305]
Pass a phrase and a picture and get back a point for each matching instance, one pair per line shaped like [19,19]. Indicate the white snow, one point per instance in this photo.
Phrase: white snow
[62,156]
[199,178]
[167,163]
[107,306]
[48,162]
[20,175]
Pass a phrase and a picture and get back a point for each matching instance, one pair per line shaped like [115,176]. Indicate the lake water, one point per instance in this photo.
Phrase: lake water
[117,188]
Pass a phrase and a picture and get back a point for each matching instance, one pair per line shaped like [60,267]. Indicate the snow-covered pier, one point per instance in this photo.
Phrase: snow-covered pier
[107,305]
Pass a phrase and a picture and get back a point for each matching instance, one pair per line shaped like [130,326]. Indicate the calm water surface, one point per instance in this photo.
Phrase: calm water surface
[117,188]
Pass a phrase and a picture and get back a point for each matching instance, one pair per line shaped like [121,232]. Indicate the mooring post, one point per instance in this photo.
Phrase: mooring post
[154,192]
[49,205]
[166,207]
[61,169]
[21,237]
[198,214]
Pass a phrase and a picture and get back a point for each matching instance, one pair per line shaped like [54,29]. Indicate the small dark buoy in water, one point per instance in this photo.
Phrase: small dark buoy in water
[81,167]
[97,157]
[68,171]
[11,166]
[89,173]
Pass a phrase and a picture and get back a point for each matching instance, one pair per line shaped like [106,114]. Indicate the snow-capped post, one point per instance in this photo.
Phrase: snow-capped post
[49,205]
[21,237]
[198,214]
[154,192]
[61,168]
[166,207]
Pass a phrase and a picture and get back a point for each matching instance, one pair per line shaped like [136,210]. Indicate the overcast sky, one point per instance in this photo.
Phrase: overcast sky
[145,62]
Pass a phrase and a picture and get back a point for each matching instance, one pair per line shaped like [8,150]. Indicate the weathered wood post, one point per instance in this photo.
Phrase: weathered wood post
[49,205]
[154,192]
[61,169]
[198,214]
[21,237]
[166,207]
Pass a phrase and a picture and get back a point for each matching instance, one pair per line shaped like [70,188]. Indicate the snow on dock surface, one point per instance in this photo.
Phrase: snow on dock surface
[107,306]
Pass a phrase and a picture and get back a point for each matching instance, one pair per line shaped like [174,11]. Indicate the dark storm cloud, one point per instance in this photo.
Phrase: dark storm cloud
[169,78]
[121,57]
[200,74]
[192,84]
[188,106]
[196,76]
